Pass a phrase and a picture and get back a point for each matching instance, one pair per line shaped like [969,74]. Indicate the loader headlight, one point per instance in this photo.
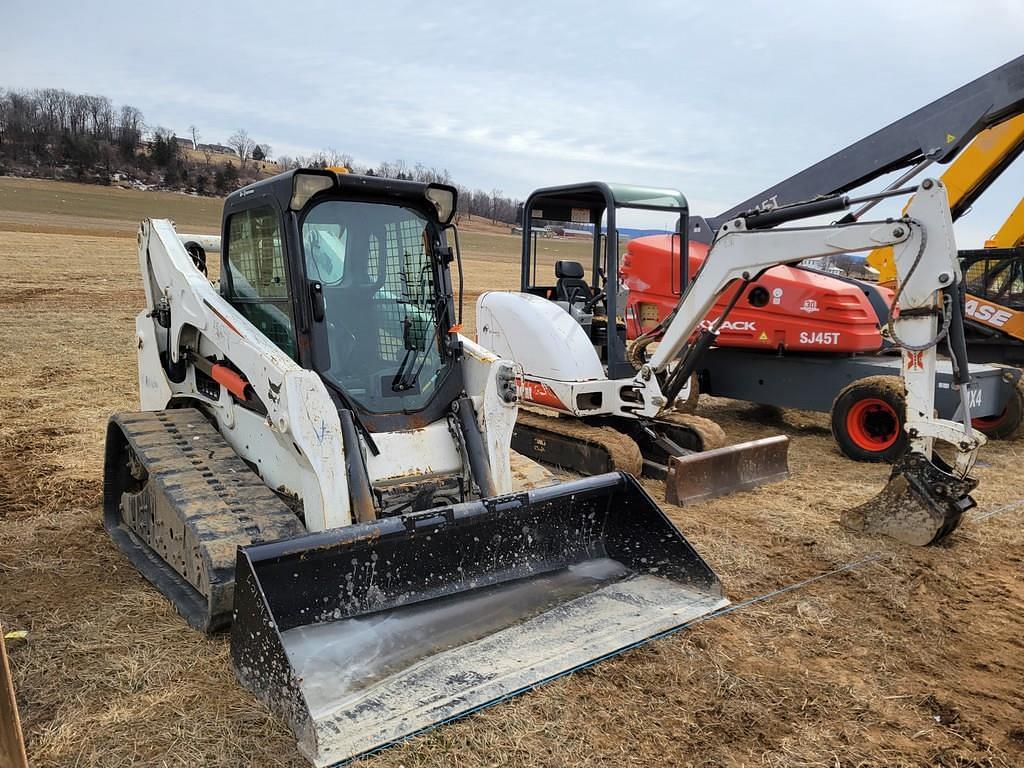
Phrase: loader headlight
[443,199]
[305,185]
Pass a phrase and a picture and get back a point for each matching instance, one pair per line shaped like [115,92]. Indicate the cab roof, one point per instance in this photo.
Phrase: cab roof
[559,203]
[281,188]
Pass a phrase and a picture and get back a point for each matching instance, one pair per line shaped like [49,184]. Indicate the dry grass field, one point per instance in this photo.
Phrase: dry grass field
[916,658]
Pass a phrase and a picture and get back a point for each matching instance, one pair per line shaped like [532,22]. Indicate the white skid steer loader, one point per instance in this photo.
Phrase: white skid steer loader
[576,374]
[323,462]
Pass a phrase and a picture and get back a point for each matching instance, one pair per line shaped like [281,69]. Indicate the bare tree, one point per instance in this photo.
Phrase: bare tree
[495,195]
[195,136]
[242,144]
[261,152]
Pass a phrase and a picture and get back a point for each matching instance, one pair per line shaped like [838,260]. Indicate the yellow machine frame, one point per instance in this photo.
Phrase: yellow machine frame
[981,162]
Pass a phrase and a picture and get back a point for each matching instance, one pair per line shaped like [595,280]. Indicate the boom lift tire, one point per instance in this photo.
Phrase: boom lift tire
[868,418]
[1006,424]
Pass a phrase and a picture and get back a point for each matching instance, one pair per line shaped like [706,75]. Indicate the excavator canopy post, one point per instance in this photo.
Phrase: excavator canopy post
[362,636]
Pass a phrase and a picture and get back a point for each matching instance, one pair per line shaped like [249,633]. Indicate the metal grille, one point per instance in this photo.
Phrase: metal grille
[996,277]
[408,283]
[256,255]
[272,323]
[259,282]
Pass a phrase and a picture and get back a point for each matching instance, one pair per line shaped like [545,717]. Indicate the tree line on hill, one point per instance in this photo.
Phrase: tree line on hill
[55,133]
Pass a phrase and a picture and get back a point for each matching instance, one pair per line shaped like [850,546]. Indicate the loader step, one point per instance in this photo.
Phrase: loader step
[178,501]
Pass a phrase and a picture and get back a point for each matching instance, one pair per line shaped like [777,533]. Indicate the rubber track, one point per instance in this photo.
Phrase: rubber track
[200,488]
[621,449]
[711,435]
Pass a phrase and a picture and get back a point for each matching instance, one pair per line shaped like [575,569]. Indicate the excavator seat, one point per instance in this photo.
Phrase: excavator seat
[571,286]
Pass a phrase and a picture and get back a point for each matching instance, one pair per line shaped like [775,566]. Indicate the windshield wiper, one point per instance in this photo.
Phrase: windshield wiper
[416,331]
[350,405]
[405,378]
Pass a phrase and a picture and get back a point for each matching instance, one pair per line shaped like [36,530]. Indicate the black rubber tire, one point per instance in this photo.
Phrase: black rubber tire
[889,390]
[1010,419]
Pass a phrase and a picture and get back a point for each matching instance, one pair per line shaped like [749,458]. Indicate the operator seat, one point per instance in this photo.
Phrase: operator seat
[571,286]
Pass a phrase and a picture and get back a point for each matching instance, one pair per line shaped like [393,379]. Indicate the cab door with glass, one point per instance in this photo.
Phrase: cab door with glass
[257,282]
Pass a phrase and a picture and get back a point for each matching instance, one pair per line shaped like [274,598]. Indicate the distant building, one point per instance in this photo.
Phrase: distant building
[217,149]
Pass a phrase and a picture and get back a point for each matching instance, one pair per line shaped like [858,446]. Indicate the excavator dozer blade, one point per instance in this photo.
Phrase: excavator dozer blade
[362,636]
[701,476]
[921,504]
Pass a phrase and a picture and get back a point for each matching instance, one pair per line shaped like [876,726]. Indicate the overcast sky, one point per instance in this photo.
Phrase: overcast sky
[717,99]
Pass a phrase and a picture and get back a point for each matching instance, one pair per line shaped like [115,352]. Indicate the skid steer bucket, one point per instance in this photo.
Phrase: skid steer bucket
[362,636]
[706,475]
[921,504]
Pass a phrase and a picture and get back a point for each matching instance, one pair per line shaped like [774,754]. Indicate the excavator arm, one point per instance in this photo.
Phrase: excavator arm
[927,309]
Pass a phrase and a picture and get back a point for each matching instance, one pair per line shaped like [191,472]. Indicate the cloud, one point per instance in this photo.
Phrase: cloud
[720,100]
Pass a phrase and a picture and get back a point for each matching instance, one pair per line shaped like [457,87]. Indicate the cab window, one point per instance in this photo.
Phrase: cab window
[258,276]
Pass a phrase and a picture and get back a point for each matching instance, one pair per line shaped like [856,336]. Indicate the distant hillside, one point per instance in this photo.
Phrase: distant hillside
[51,133]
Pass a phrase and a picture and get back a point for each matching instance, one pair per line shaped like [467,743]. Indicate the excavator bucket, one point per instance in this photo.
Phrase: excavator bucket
[362,636]
[921,504]
[706,475]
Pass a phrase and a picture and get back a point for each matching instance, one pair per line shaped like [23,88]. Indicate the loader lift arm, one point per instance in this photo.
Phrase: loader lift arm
[930,288]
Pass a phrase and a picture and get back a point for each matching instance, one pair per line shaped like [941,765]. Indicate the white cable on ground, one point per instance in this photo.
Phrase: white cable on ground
[1013,505]
[789,588]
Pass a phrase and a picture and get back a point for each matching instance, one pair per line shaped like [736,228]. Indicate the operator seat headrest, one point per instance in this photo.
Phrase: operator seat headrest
[570,269]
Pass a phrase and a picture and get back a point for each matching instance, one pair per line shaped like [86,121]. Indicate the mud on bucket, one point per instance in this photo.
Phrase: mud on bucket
[921,504]
[362,636]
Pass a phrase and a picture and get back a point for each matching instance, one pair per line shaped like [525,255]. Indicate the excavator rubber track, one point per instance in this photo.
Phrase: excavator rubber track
[596,448]
[709,433]
[178,501]
[572,444]
[689,452]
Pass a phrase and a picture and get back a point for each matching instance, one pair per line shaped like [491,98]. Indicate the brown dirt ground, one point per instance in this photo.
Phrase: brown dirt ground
[916,659]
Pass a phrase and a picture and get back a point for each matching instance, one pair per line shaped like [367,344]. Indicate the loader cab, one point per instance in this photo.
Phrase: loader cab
[578,268]
[349,276]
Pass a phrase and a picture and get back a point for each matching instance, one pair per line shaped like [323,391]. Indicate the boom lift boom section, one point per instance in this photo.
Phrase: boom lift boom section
[935,133]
